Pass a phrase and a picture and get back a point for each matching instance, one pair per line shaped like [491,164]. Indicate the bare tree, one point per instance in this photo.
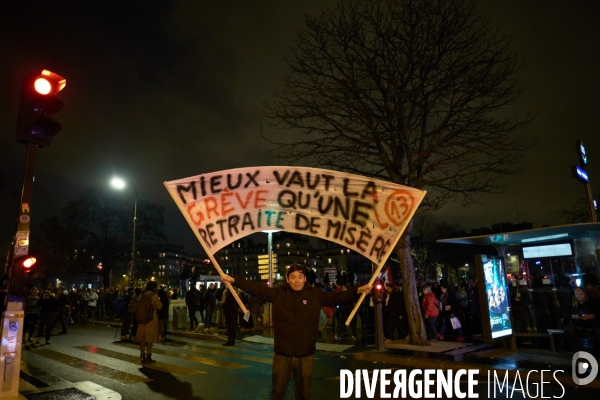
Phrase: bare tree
[408,91]
[98,226]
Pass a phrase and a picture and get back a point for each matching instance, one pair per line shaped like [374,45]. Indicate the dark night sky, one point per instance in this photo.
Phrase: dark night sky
[164,90]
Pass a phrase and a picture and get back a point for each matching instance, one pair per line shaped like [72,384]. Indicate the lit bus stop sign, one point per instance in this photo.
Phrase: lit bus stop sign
[582,154]
[580,174]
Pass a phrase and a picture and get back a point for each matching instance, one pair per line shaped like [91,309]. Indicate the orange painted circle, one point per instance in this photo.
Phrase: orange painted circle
[398,206]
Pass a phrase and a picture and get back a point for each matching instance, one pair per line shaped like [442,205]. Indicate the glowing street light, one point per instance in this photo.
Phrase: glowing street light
[120,184]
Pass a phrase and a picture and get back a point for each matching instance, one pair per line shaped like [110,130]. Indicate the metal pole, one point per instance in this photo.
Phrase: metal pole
[270,244]
[270,253]
[379,331]
[21,242]
[132,276]
[590,203]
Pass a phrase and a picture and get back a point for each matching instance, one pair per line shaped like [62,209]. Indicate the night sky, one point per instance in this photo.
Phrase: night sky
[164,90]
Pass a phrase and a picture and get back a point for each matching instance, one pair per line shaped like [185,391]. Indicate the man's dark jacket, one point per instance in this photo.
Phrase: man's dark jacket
[296,314]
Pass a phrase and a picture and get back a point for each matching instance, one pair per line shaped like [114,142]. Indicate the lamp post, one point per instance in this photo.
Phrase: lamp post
[119,183]
[270,255]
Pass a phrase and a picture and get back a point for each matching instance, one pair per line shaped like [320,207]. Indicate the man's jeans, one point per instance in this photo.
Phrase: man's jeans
[183,288]
[301,368]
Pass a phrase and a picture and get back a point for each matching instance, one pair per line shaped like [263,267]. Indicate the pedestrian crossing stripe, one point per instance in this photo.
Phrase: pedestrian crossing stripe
[203,360]
[229,352]
[160,366]
[91,367]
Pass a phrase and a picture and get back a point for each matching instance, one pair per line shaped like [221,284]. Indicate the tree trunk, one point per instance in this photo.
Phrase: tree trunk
[418,334]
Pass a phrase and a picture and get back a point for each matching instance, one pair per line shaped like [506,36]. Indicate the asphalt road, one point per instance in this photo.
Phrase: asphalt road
[201,369]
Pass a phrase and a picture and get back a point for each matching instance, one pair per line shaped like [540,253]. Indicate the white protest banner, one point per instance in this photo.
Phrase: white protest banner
[363,214]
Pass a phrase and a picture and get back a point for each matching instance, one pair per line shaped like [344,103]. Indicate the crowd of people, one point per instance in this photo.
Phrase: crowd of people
[450,311]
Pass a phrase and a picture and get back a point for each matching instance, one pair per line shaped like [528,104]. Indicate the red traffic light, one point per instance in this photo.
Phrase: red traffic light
[28,262]
[207,261]
[99,267]
[378,286]
[38,105]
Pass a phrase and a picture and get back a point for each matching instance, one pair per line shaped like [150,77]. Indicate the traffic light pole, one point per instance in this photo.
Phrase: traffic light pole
[379,332]
[21,242]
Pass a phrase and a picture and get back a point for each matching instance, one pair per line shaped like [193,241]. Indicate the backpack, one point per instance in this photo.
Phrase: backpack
[119,304]
[132,305]
[440,305]
[144,309]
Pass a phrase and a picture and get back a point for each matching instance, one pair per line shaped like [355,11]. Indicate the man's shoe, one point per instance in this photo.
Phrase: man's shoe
[460,339]
[149,359]
[62,333]
[228,344]
[440,336]
[143,358]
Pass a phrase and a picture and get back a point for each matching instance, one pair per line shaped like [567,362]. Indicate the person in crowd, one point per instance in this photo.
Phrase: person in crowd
[255,307]
[220,321]
[430,311]
[111,295]
[210,302]
[230,310]
[47,305]
[62,313]
[126,314]
[163,314]
[579,315]
[184,278]
[147,333]
[92,303]
[344,312]
[450,309]
[473,311]
[397,312]
[296,309]
[32,311]
[100,304]
[463,302]
[131,308]
[191,301]
[200,307]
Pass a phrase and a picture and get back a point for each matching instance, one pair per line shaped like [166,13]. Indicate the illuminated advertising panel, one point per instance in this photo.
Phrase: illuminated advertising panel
[555,249]
[496,297]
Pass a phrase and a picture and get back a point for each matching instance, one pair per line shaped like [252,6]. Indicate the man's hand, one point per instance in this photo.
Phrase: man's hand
[228,279]
[366,289]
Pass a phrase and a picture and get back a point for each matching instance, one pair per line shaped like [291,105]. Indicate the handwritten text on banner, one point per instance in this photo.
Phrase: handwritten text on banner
[363,214]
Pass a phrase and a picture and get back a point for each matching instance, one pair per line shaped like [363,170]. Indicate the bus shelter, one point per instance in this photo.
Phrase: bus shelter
[540,268]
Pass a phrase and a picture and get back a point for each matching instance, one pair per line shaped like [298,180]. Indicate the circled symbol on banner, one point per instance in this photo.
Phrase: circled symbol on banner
[397,206]
[24,218]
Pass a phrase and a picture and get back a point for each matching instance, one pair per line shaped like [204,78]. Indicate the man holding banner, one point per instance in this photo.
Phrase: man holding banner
[296,311]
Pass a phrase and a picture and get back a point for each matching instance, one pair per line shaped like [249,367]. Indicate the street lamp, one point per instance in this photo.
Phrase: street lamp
[120,184]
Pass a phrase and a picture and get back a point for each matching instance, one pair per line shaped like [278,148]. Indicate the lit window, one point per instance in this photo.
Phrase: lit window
[287,245]
[277,245]
[342,251]
[329,260]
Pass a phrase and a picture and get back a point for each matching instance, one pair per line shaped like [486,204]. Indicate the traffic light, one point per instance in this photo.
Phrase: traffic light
[38,106]
[99,267]
[26,264]
[378,289]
